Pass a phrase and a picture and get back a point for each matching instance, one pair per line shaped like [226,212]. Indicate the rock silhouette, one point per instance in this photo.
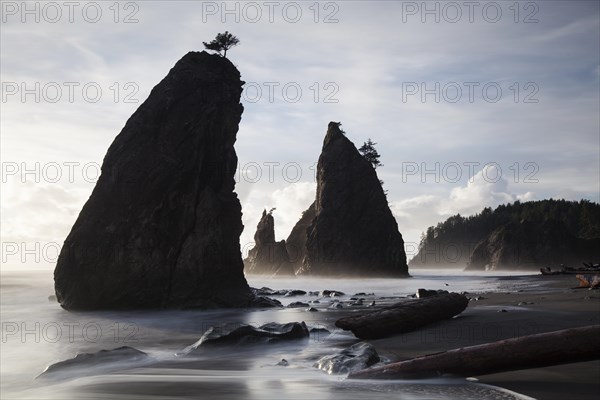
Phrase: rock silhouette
[353,231]
[268,256]
[162,226]
[296,241]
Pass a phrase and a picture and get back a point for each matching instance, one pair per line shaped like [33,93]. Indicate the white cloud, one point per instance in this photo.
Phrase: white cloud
[487,187]
[290,202]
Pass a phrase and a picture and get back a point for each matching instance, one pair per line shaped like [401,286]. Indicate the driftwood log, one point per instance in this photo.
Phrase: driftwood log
[404,316]
[534,351]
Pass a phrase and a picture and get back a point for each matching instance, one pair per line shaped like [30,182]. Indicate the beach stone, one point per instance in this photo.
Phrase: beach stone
[331,293]
[297,304]
[236,334]
[319,330]
[283,362]
[422,293]
[264,291]
[295,292]
[102,361]
[355,358]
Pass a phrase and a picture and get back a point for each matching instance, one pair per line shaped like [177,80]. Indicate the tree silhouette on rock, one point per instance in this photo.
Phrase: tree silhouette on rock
[222,42]
[370,153]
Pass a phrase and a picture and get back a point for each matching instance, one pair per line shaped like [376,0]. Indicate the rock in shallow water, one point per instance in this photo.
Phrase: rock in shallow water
[422,293]
[102,361]
[297,304]
[352,230]
[355,358]
[268,256]
[235,334]
[161,228]
[331,293]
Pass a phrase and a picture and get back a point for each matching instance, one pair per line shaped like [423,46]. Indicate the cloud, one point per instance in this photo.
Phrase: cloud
[487,187]
[39,211]
[290,202]
[36,219]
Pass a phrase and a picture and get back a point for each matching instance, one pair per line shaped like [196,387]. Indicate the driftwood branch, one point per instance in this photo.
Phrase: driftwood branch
[534,351]
[404,316]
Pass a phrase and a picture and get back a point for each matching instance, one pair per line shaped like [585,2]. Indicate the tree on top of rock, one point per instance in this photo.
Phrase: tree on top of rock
[222,42]
[370,153]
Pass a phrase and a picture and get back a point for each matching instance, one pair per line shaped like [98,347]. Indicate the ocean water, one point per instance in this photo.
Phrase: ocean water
[36,332]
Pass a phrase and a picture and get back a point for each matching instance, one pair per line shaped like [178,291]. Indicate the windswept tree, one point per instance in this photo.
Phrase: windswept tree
[222,43]
[369,152]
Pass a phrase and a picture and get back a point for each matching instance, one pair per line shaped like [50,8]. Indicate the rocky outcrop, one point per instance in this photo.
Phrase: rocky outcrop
[353,231]
[162,226]
[531,244]
[355,358]
[268,256]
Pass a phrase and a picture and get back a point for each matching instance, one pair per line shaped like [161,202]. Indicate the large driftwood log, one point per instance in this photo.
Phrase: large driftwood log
[534,351]
[404,316]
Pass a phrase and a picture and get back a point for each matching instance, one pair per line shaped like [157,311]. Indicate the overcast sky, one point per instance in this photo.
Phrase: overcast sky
[472,104]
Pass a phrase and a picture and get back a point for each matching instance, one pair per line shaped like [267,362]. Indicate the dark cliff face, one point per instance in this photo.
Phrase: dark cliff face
[162,226]
[531,244]
[268,256]
[550,232]
[296,241]
[353,231]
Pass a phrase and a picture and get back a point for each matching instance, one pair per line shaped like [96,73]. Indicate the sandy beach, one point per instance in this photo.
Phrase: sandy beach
[527,310]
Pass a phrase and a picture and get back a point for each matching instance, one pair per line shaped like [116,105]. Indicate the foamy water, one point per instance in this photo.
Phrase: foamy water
[36,332]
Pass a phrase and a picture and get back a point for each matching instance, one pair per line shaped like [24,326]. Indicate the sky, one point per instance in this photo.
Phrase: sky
[471,104]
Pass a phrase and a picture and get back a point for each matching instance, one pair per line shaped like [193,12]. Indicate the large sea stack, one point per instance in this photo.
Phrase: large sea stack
[162,226]
[268,256]
[353,231]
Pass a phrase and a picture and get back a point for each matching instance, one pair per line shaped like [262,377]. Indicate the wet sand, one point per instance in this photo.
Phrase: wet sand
[528,310]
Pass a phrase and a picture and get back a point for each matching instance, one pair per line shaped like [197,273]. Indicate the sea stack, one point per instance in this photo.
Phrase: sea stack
[162,226]
[353,231]
[268,256]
